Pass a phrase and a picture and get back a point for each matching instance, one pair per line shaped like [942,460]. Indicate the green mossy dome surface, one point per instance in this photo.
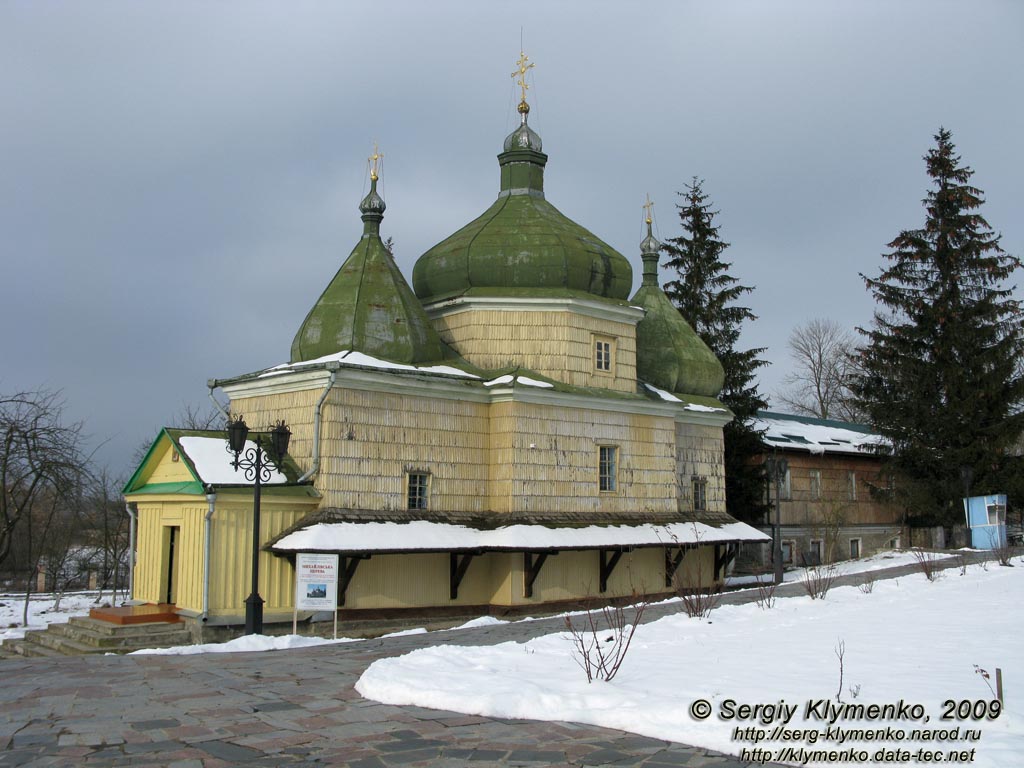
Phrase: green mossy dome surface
[669,353]
[369,307]
[522,241]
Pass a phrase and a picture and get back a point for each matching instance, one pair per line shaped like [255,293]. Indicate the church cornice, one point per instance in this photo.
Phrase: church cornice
[601,310]
[415,384]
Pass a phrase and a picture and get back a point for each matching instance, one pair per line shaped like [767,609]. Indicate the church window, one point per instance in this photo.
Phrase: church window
[815,483]
[607,459]
[419,486]
[603,349]
[700,493]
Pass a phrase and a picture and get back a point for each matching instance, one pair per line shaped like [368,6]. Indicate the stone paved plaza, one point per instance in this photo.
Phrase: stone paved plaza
[296,707]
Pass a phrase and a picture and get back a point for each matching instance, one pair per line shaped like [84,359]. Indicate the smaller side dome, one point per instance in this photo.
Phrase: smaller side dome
[669,353]
[369,307]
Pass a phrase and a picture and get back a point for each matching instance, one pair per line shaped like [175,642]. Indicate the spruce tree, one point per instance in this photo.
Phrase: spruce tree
[706,295]
[938,372]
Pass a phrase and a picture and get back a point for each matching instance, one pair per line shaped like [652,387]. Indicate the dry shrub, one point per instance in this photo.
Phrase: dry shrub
[601,638]
[766,594]
[927,562]
[818,580]
[1003,554]
[868,585]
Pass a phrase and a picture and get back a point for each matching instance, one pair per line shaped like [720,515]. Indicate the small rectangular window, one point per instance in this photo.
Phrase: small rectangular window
[419,485]
[786,487]
[700,493]
[607,461]
[603,355]
[996,514]
[851,488]
[815,483]
[787,551]
[816,555]
[854,549]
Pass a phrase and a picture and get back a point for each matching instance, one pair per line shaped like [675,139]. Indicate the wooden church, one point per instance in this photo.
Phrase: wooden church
[514,430]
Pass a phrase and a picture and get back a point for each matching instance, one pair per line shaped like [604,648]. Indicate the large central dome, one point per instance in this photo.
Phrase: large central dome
[522,242]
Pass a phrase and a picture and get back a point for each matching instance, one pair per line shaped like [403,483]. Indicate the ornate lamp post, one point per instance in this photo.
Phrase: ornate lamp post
[259,463]
[776,469]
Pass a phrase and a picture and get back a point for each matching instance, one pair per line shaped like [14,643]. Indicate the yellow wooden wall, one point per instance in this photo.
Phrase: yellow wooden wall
[154,520]
[556,343]
[700,452]
[545,459]
[370,441]
[230,552]
[167,466]
[231,555]
[497,578]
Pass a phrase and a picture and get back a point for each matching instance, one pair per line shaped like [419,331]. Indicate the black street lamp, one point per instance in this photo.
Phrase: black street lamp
[776,469]
[259,463]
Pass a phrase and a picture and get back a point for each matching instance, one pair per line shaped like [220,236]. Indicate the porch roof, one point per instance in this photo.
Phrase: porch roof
[428,536]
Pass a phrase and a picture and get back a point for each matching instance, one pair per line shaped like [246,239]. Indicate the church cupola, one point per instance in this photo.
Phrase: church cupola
[369,307]
[669,353]
[522,245]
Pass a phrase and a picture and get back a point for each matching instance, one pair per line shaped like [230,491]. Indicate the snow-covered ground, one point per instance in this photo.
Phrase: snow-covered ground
[890,559]
[41,611]
[907,642]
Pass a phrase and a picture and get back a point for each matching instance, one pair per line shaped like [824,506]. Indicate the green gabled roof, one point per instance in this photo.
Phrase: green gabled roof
[369,307]
[522,241]
[138,483]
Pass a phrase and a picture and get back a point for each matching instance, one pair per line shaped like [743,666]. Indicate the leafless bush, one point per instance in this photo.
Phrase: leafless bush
[699,603]
[1003,554]
[927,562]
[961,562]
[818,580]
[601,638]
[868,585]
[765,594]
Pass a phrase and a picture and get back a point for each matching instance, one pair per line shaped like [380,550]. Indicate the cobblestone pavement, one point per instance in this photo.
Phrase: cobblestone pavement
[295,708]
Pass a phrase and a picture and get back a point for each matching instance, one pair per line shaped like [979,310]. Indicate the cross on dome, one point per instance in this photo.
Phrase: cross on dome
[522,68]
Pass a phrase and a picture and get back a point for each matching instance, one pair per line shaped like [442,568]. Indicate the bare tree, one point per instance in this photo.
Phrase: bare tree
[41,458]
[106,533]
[822,364]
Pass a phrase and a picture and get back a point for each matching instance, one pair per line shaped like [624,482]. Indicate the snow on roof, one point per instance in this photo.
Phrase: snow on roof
[212,460]
[428,536]
[815,435]
[347,357]
[669,397]
[509,379]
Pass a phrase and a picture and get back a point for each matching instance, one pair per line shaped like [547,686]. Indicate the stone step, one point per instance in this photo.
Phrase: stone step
[126,630]
[27,647]
[130,637]
[62,645]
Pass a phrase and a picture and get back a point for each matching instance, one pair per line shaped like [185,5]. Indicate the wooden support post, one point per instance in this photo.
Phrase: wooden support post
[532,568]
[608,565]
[673,559]
[346,570]
[457,567]
[723,556]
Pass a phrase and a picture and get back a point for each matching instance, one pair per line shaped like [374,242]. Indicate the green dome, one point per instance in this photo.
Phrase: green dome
[522,241]
[368,307]
[669,353]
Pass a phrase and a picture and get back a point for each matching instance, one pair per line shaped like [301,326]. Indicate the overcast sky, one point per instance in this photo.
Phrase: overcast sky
[179,181]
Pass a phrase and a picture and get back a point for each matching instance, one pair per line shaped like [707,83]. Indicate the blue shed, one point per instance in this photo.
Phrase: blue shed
[986,517]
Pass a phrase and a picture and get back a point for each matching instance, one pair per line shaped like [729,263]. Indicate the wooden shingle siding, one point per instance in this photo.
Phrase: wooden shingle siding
[557,344]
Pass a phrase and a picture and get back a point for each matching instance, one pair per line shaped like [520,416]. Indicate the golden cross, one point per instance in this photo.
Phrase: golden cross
[372,159]
[521,71]
[647,207]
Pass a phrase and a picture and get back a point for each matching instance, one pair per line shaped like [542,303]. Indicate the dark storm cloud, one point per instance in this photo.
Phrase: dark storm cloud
[169,172]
